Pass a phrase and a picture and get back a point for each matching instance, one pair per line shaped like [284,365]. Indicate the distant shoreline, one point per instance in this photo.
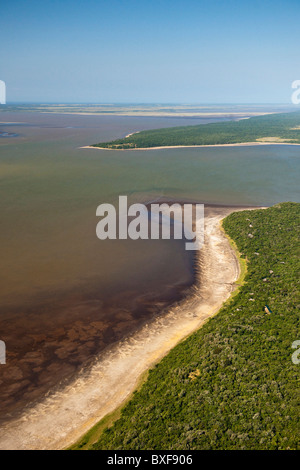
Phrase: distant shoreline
[241,144]
[271,129]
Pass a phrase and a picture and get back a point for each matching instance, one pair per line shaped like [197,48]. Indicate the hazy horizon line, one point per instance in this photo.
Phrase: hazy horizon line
[149,103]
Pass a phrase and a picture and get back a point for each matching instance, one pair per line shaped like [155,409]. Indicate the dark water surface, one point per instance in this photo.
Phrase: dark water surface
[65,295]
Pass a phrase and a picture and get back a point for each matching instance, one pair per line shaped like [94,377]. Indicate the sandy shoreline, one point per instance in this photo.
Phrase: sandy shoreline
[242,144]
[61,418]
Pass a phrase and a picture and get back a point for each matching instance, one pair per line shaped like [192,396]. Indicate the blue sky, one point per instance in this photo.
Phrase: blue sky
[149,51]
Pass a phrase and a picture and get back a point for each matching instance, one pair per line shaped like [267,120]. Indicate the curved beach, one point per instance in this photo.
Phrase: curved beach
[63,416]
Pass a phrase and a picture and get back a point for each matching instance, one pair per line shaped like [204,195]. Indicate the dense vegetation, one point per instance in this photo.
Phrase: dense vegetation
[232,384]
[283,126]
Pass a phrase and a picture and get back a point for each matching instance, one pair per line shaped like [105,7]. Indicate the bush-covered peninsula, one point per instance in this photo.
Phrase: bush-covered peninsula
[277,128]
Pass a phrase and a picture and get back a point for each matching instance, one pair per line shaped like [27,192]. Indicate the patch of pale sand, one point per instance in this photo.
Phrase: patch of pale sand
[65,415]
[242,144]
[275,140]
[132,133]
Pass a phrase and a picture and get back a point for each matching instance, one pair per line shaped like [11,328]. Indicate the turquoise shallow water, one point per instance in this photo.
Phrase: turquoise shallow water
[65,295]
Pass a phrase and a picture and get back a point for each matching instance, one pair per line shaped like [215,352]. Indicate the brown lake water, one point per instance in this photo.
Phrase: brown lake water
[65,295]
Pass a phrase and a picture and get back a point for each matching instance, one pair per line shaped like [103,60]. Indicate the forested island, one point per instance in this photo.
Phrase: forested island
[232,384]
[270,128]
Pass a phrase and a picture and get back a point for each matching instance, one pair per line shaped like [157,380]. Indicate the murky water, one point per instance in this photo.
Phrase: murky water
[65,295]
